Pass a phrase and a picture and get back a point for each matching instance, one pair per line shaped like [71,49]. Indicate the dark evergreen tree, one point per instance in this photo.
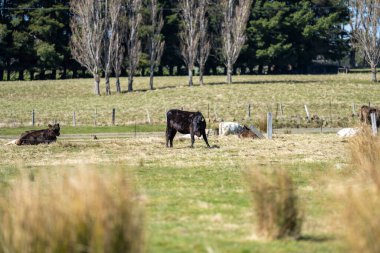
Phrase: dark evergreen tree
[288,35]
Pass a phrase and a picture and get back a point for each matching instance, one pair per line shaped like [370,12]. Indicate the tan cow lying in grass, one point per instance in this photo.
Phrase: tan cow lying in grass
[35,137]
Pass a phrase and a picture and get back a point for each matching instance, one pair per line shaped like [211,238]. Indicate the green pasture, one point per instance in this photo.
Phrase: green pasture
[330,97]
[197,200]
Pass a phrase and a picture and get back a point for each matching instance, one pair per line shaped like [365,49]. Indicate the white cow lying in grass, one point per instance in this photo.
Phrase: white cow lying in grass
[348,132]
[227,128]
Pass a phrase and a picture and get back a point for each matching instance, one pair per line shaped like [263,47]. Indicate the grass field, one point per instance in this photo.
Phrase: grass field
[197,200]
[329,96]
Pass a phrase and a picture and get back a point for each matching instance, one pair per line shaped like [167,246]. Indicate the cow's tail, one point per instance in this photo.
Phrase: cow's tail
[13,142]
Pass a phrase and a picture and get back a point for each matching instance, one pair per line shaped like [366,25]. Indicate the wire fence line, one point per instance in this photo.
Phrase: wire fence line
[284,115]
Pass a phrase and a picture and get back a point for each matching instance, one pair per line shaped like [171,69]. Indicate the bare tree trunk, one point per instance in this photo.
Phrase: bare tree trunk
[190,71]
[118,89]
[374,72]
[130,82]
[97,84]
[151,77]
[353,58]
[108,86]
[229,72]
[201,71]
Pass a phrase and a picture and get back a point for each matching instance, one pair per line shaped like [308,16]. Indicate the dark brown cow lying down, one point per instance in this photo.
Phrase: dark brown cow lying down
[247,133]
[365,114]
[192,123]
[35,137]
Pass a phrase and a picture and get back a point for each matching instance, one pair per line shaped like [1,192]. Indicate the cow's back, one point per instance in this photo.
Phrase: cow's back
[179,120]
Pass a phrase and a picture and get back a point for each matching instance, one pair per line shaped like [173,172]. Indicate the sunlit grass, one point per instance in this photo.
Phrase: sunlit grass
[328,96]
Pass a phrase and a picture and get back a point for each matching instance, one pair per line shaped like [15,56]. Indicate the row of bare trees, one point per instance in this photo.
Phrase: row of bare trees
[106,31]
[196,41]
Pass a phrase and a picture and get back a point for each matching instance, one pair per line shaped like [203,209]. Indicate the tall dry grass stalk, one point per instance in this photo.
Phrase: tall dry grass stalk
[365,155]
[276,205]
[361,221]
[78,211]
[361,218]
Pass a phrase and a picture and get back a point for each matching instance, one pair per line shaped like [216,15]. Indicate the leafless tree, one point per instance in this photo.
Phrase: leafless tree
[119,53]
[204,40]
[86,43]
[132,38]
[235,18]
[189,14]
[112,43]
[156,43]
[366,36]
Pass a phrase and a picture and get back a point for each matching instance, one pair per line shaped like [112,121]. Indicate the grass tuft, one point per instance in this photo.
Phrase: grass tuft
[276,204]
[361,219]
[365,155]
[81,211]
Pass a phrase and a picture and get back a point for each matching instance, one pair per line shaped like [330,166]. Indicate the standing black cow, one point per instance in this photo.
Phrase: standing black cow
[192,123]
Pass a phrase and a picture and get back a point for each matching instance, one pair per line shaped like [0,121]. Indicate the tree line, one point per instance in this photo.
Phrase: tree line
[146,37]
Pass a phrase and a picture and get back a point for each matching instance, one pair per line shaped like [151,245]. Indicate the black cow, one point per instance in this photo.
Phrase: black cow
[35,137]
[192,123]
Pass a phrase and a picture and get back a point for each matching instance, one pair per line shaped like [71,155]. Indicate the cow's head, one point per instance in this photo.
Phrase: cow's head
[199,124]
[55,129]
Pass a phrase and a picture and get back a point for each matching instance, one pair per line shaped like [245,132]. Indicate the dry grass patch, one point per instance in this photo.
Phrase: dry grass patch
[73,211]
[276,204]
[365,155]
[361,218]
[362,221]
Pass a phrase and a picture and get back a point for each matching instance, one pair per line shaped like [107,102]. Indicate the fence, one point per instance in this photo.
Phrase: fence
[283,115]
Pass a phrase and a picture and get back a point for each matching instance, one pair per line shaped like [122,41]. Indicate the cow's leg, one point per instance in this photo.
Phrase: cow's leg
[170,136]
[205,137]
[167,137]
[192,137]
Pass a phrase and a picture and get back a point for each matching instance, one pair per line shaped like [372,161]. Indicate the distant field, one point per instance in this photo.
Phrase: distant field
[330,97]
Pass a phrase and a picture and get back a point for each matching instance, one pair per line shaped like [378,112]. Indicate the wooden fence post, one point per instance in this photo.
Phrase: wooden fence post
[249,111]
[74,120]
[374,124]
[33,118]
[148,116]
[269,125]
[113,116]
[307,113]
